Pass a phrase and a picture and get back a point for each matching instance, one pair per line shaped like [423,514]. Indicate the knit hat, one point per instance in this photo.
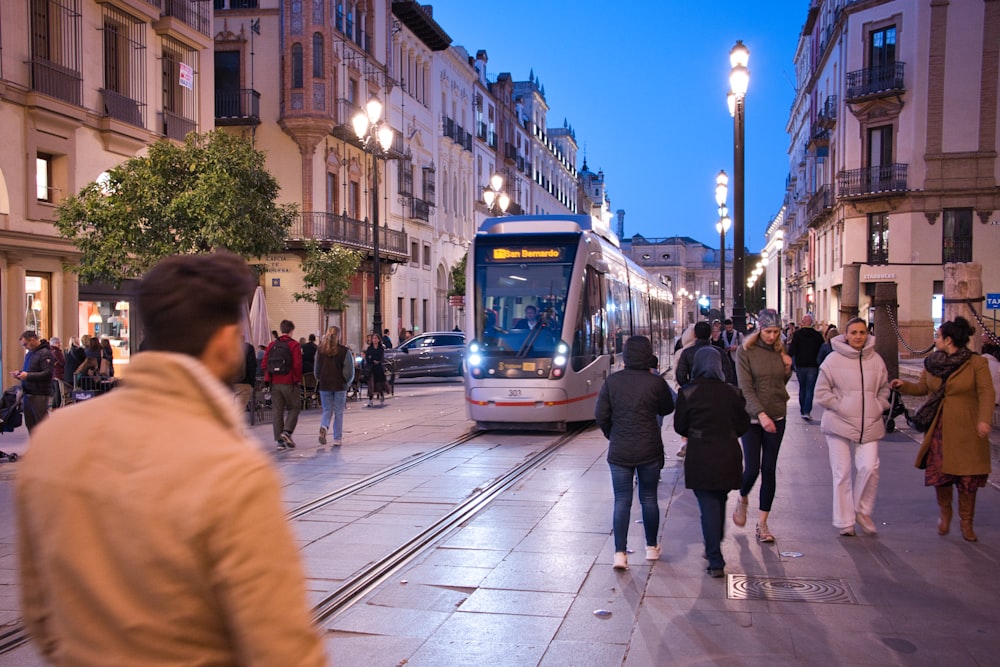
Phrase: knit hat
[768,318]
[639,353]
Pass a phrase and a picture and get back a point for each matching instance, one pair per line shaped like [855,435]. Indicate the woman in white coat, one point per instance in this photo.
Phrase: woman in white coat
[853,389]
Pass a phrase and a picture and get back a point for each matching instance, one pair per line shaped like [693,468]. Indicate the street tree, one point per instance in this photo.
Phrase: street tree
[327,274]
[212,192]
[458,277]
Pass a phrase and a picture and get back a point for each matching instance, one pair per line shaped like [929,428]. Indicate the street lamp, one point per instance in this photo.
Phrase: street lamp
[739,81]
[376,138]
[722,226]
[682,294]
[496,199]
[779,243]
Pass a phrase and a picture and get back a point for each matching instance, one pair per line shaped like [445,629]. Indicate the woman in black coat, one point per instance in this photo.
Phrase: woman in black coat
[712,415]
[374,362]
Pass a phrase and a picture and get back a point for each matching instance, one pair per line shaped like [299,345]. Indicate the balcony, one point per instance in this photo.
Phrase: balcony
[820,203]
[827,117]
[56,81]
[122,108]
[194,13]
[237,107]
[176,126]
[342,230]
[879,81]
[881,179]
[420,210]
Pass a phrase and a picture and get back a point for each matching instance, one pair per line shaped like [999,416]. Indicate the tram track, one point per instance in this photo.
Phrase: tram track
[367,579]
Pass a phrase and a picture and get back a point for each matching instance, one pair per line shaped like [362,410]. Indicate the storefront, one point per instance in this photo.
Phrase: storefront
[108,313]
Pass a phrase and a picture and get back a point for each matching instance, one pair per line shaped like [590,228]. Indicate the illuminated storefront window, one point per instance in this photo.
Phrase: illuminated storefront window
[38,309]
[107,320]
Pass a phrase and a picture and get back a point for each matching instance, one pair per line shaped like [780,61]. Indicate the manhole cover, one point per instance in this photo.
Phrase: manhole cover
[789,589]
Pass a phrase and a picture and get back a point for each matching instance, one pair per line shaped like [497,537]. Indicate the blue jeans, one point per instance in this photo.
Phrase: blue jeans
[621,482]
[713,522]
[760,457]
[334,403]
[807,386]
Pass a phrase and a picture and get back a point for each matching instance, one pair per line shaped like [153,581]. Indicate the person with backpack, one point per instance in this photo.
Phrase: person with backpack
[283,370]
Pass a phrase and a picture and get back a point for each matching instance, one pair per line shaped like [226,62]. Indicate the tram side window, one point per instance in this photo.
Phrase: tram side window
[588,339]
[617,315]
[640,313]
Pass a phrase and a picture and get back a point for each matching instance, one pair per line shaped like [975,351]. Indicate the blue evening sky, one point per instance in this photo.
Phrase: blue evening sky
[644,86]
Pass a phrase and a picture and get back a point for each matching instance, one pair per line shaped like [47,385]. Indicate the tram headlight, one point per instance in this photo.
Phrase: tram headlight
[475,359]
[562,349]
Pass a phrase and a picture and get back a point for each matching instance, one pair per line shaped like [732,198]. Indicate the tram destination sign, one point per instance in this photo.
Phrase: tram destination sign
[521,254]
[993,301]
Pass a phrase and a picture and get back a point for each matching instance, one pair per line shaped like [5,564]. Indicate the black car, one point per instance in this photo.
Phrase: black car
[429,354]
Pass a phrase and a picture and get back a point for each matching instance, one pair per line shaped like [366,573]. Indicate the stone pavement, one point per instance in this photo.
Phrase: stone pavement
[520,583]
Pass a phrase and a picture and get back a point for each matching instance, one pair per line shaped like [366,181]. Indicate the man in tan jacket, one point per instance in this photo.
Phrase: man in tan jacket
[151,530]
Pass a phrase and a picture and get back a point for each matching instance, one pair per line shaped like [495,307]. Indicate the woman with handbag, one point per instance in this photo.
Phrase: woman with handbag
[956,448]
[853,389]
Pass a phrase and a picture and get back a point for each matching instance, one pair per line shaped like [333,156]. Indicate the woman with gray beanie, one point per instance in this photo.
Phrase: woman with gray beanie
[762,369]
[627,409]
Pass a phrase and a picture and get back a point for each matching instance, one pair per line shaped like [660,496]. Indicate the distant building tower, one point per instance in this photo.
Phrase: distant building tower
[592,191]
[621,222]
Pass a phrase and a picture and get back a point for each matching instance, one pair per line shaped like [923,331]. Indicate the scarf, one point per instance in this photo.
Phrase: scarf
[941,364]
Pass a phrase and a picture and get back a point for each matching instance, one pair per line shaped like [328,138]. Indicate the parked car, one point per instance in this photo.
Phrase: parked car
[429,354]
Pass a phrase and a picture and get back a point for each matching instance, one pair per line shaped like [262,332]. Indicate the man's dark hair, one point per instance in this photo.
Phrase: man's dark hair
[287,327]
[702,330]
[312,338]
[727,321]
[30,334]
[185,299]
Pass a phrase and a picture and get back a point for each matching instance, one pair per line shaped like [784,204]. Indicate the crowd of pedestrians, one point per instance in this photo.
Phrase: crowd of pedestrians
[733,422]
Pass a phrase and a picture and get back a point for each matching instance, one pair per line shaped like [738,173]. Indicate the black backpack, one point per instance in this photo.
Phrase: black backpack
[279,359]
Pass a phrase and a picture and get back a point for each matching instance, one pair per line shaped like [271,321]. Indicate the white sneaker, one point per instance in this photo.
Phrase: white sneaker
[338,443]
[621,560]
[653,553]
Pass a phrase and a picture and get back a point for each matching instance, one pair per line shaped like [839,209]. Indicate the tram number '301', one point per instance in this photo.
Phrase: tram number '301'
[513,393]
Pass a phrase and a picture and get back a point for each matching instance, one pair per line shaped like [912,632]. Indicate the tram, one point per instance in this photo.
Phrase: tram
[550,301]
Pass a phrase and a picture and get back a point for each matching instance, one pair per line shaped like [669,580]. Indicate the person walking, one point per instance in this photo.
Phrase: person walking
[731,340]
[283,369]
[309,354]
[626,412]
[702,338]
[826,349]
[853,390]
[245,381]
[762,368]
[36,378]
[107,358]
[334,374]
[375,362]
[956,449]
[804,350]
[711,414]
[150,527]
[58,371]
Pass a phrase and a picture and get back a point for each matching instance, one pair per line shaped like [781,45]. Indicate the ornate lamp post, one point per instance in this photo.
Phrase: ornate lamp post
[682,294]
[739,80]
[779,243]
[722,226]
[376,138]
[495,198]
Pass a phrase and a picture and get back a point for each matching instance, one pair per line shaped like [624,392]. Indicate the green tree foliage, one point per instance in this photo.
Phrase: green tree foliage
[327,274]
[213,192]
[458,277]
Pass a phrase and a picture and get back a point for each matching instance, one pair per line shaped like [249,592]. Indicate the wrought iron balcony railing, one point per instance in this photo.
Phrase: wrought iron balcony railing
[346,231]
[821,202]
[875,81]
[56,80]
[176,126]
[122,108]
[853,183]
[237,107]
[193,12]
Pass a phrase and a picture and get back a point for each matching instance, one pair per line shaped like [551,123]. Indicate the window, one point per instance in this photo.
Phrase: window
[179,79]
[38,311]
[427,256]
[882,47]
[429,186]
[332,205]
[43,177]
[124,51]
[415,252]
[957,231]
[878,238]
[406,177]
[352,92]
[317,56]
[297,65]
[713,286]
[55,48]
[353,199]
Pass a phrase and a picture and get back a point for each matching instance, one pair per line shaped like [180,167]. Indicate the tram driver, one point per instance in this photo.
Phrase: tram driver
[530,319]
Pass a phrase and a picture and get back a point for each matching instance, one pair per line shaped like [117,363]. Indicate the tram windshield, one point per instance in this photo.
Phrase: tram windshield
[520,293]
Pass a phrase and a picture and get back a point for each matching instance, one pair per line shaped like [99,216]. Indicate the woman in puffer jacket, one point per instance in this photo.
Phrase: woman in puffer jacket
[853,389]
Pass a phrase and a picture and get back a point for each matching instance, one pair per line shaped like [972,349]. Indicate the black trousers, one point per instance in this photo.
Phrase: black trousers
[35,408]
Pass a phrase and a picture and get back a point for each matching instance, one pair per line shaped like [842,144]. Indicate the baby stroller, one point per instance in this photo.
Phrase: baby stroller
[10,416]
[896,408]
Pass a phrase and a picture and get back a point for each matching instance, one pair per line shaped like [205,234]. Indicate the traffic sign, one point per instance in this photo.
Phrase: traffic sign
[993,301]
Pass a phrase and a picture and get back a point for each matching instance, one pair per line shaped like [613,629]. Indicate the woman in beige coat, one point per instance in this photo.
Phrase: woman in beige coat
[956,449]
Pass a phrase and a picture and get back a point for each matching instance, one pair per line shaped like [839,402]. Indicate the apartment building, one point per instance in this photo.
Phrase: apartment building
[84,85]
[893,155]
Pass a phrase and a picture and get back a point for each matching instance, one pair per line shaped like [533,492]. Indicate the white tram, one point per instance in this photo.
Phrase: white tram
[544,369]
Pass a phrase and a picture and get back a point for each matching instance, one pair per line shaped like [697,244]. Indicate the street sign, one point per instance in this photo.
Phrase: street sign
[993,301]
[457,301]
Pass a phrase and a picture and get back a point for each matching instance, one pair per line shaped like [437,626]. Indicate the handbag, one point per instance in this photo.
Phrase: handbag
[925,414]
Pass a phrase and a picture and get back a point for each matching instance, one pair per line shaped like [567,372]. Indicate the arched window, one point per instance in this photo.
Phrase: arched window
[296,65]
[317,55]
